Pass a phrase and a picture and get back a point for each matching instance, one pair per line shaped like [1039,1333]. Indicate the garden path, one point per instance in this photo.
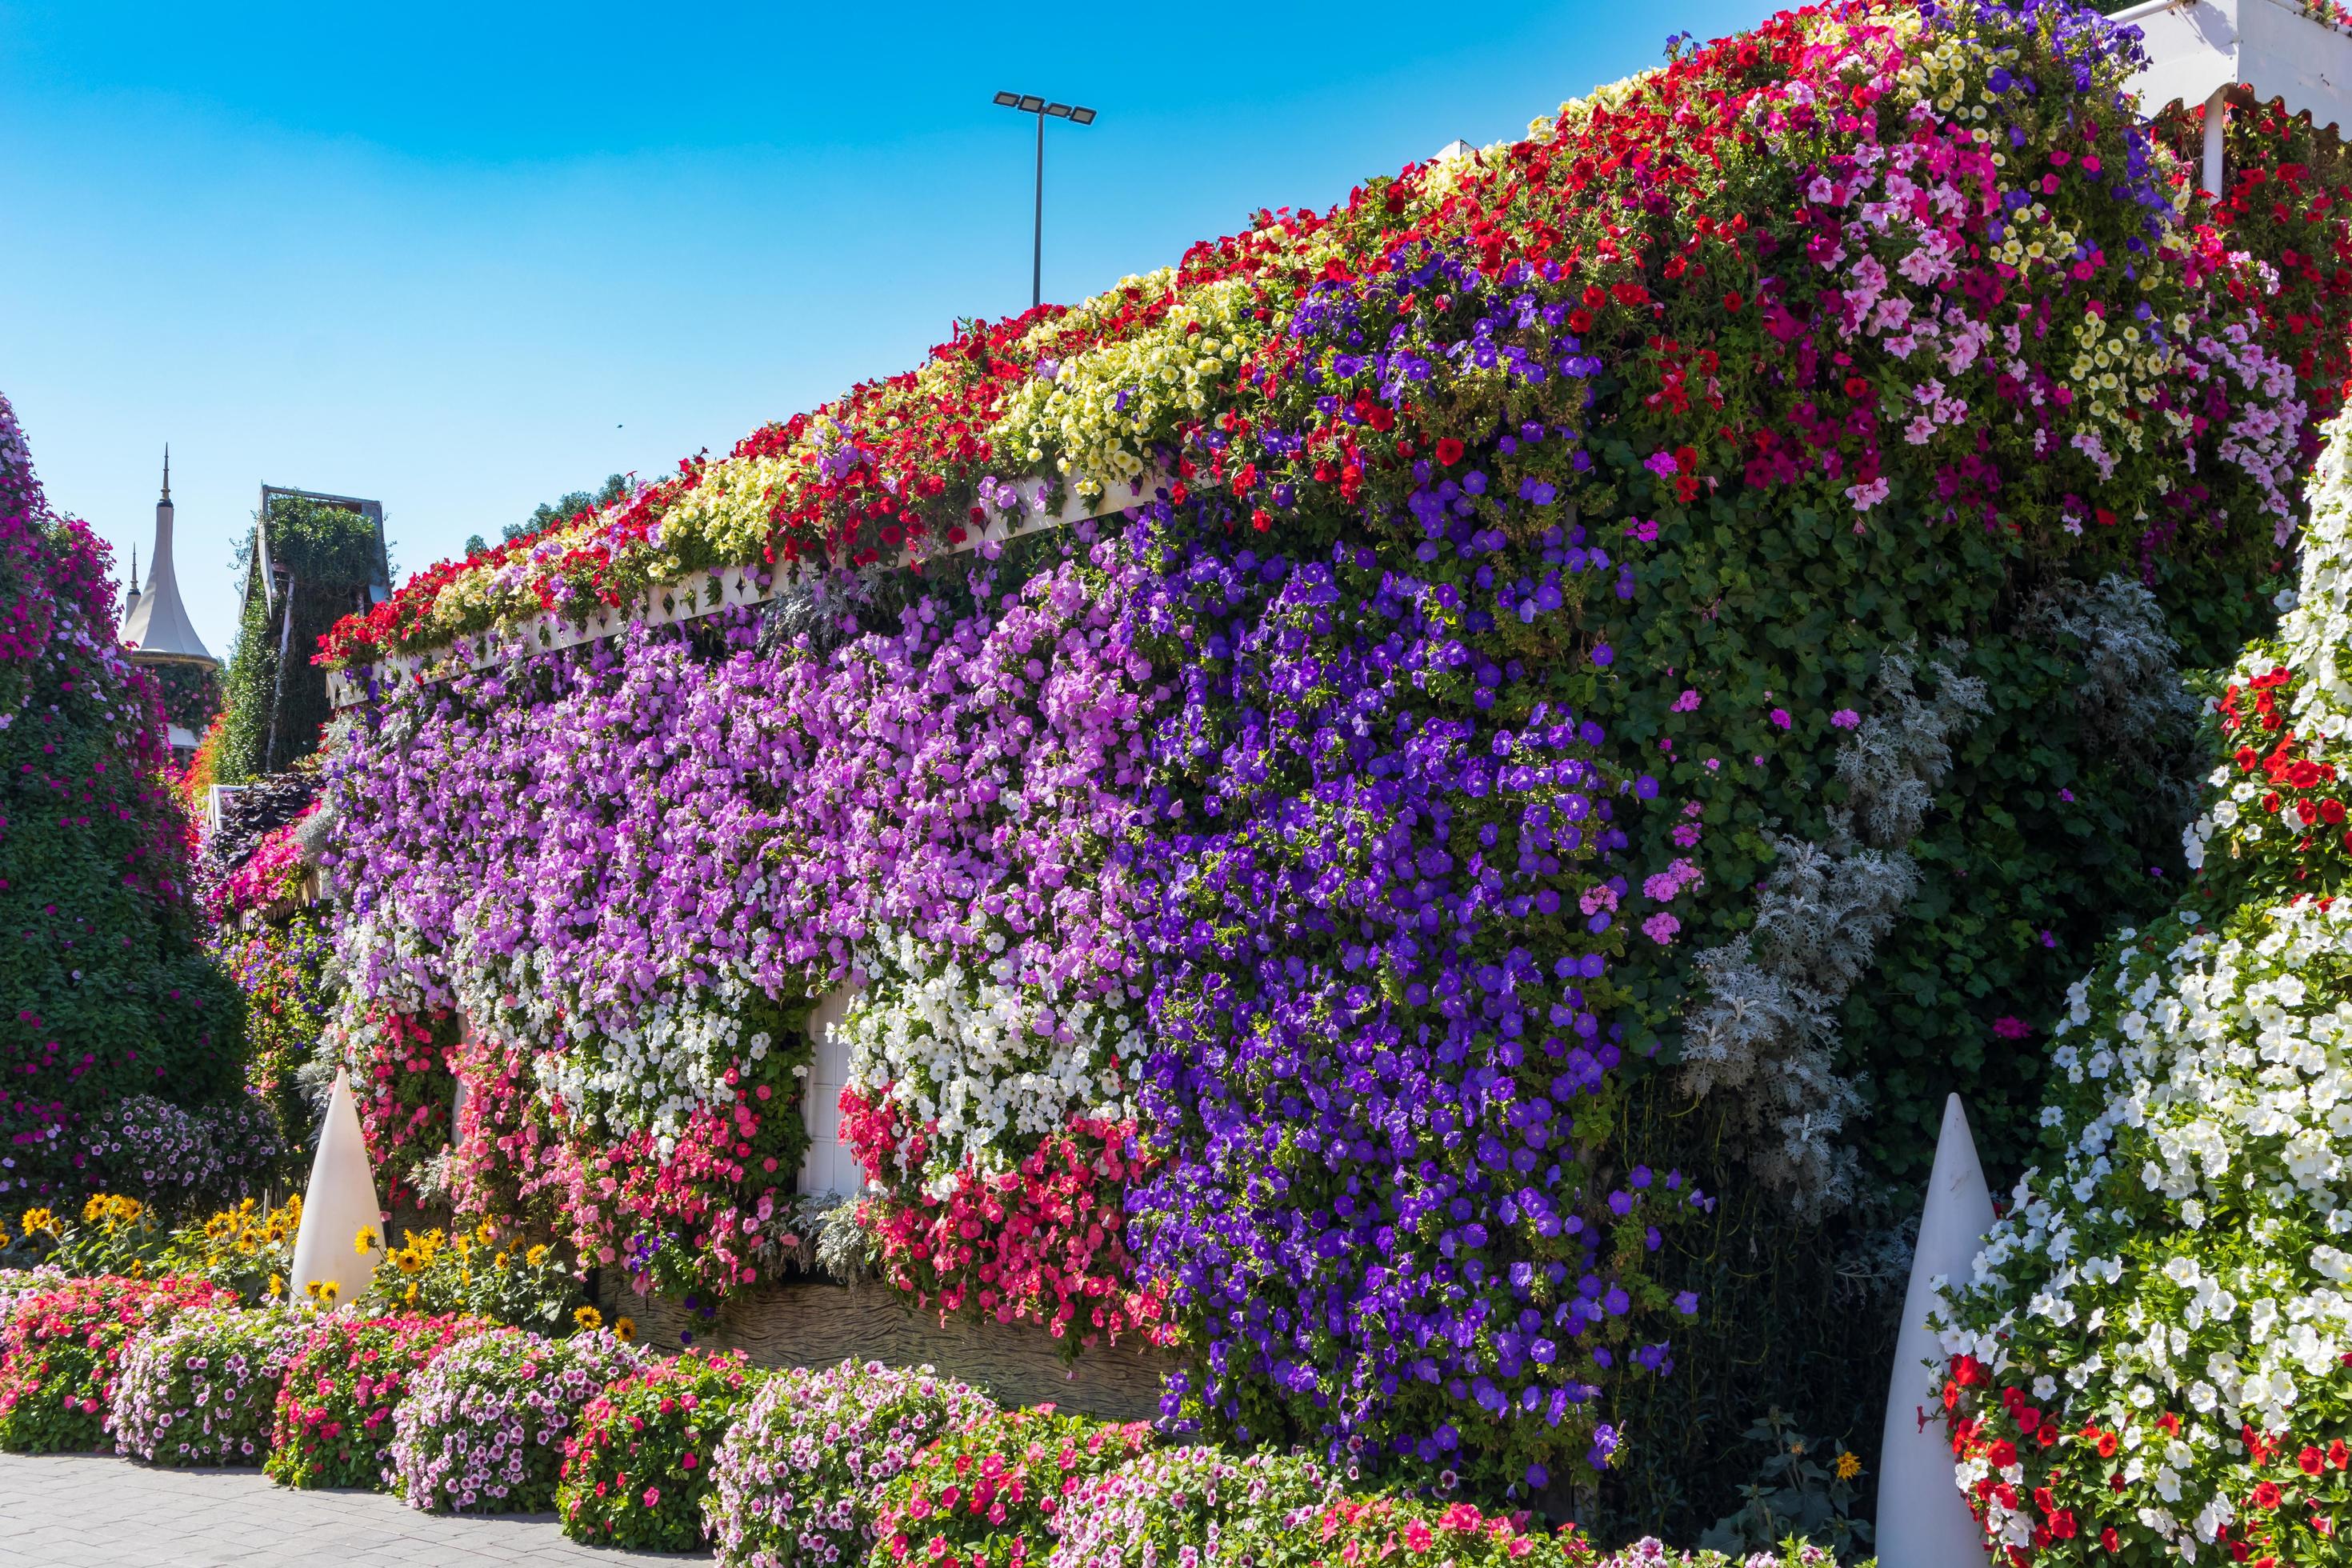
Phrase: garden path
[87,1510]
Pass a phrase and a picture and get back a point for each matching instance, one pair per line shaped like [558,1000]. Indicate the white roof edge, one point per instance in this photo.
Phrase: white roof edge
[2196,48]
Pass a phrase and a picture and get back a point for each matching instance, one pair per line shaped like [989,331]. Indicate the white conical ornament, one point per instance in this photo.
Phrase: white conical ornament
[1923,1521]
[339,1204]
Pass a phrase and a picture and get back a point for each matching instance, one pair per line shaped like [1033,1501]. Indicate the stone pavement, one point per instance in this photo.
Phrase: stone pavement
[85,1510]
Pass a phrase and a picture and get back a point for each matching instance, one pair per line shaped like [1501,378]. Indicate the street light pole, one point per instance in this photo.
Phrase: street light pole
[1037,226]
[1030,103]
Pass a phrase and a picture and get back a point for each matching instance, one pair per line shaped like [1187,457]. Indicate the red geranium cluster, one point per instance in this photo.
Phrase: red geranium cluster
[1045,1242]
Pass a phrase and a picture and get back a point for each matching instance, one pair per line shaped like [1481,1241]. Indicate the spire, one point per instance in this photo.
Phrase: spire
[156,623]
[131,590]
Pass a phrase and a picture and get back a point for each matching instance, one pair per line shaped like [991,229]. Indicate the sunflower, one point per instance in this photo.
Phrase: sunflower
[626,1330]
[588,1318]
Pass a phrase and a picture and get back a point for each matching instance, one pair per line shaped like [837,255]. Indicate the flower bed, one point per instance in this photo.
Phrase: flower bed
[61,1354]
[1348,1531]
[796,1479]
[636,1469]
[333,1424]
[989,1493]
[484,1428]
[202,1389]
[1193,1506]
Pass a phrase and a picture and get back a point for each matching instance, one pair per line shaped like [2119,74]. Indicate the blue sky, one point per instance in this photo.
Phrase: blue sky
[465,259]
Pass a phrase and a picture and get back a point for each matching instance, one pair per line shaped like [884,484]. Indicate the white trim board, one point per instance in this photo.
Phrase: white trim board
[707,594]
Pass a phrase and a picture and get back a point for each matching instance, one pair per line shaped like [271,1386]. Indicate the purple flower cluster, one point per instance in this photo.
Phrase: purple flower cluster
[1377,1012]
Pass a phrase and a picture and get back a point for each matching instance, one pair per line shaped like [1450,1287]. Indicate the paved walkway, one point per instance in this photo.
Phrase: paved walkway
[84,1511]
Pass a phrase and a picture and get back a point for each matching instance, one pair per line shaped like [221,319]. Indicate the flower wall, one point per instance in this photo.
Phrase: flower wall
[104,993]
[1738,535]
[671,845]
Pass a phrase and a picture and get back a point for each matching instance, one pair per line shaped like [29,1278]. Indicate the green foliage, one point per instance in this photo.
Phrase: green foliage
[2038,841]
[547,514]
[191,693]
[283,970]
[323,558]
[245,1248]
[507,1278]
[1799,1490]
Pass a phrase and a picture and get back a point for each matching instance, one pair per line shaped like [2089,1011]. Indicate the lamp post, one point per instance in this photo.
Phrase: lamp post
[1030,103]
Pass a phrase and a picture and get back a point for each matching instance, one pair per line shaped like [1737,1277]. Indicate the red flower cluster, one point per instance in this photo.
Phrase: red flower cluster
[1043,1243]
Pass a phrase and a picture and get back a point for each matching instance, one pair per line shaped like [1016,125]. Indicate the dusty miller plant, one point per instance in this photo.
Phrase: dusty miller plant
[1765,1028]
[2131,700]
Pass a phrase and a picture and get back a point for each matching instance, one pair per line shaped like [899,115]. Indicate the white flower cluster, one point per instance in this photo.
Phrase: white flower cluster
[1098,413]
[2186,1255]
[977,1063]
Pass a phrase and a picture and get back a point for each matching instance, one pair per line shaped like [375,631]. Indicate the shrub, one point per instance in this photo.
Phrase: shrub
[334,1425]
[1651,1553]
[796,1479]
[177,1155]
[988,1493]
[61,1354]
[107,991]
[1194,1506]
[639,1466]
[485,1427]
[202,1389]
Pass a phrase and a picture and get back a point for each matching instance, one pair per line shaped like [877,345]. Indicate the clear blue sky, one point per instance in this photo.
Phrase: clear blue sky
[465,259]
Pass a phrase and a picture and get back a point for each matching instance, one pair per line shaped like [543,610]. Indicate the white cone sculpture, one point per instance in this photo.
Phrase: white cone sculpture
[339,1205]
[1923,1522]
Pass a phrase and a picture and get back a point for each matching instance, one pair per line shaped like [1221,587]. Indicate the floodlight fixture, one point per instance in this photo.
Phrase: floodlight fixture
[1076,115]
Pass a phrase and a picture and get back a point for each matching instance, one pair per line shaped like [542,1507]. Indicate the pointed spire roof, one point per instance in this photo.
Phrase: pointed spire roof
[157,624]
